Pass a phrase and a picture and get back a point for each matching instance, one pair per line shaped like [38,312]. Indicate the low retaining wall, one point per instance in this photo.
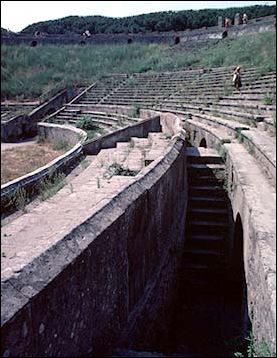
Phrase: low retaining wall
[125,110]
[109,280]
[57,133]
[25,126]
[14,129]
[29,184]
[264,155]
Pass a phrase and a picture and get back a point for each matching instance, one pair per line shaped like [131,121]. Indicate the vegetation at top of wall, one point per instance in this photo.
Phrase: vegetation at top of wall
[90,127]
[6,32]
[18,199]
[27,72]
[51,185]
[250,348]
[158,21]
[86,124]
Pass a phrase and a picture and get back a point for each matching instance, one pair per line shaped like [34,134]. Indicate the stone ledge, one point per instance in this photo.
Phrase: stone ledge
[255,200]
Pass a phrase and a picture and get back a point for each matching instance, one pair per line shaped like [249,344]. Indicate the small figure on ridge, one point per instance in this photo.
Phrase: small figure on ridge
[244,18]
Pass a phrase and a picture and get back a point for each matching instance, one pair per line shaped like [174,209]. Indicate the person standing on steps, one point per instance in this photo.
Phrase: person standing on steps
[237,78]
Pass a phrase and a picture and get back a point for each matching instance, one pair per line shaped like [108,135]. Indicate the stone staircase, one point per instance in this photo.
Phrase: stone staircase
[200,326]
[207,94]
[203,307]
[11,110]
[207,215]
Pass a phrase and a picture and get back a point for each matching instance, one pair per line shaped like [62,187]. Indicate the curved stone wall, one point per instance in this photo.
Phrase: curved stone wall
[30,182]
[214,32]
[116,268]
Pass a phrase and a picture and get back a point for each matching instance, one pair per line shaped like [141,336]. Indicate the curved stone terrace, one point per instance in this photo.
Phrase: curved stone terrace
[239,126]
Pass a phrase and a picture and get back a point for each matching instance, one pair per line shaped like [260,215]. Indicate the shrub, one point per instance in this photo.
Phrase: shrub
[267,100]
[86,124]
[135,111]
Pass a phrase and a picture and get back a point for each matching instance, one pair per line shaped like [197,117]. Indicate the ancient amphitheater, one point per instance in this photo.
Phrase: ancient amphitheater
[162,241]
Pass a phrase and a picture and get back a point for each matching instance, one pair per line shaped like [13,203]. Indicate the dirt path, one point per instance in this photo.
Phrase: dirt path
[18,159]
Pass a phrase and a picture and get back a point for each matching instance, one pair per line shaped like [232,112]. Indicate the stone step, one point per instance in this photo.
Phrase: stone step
[140,142]
[135,353]
[207,202]
[242,116]
[202,155]
[206,191]
[244,105]
[202,254]
[205,240]
[241,98]
[134,160]
[258,92]
[198,272]
[211,214]
[206,180]
[216,170]
[204,166]
[156,138]
[109,156]
[105,122]
[123,145]
[153,154]
[206,227]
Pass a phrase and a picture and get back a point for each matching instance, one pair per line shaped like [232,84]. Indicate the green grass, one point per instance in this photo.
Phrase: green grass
[19,199]
[268,100]
[29,72]
[51,185]
[61,145]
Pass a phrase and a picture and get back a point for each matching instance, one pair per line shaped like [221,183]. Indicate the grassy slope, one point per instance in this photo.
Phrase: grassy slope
[27,72]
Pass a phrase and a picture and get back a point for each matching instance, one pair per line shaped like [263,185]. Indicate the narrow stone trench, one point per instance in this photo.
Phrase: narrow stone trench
[210,318]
